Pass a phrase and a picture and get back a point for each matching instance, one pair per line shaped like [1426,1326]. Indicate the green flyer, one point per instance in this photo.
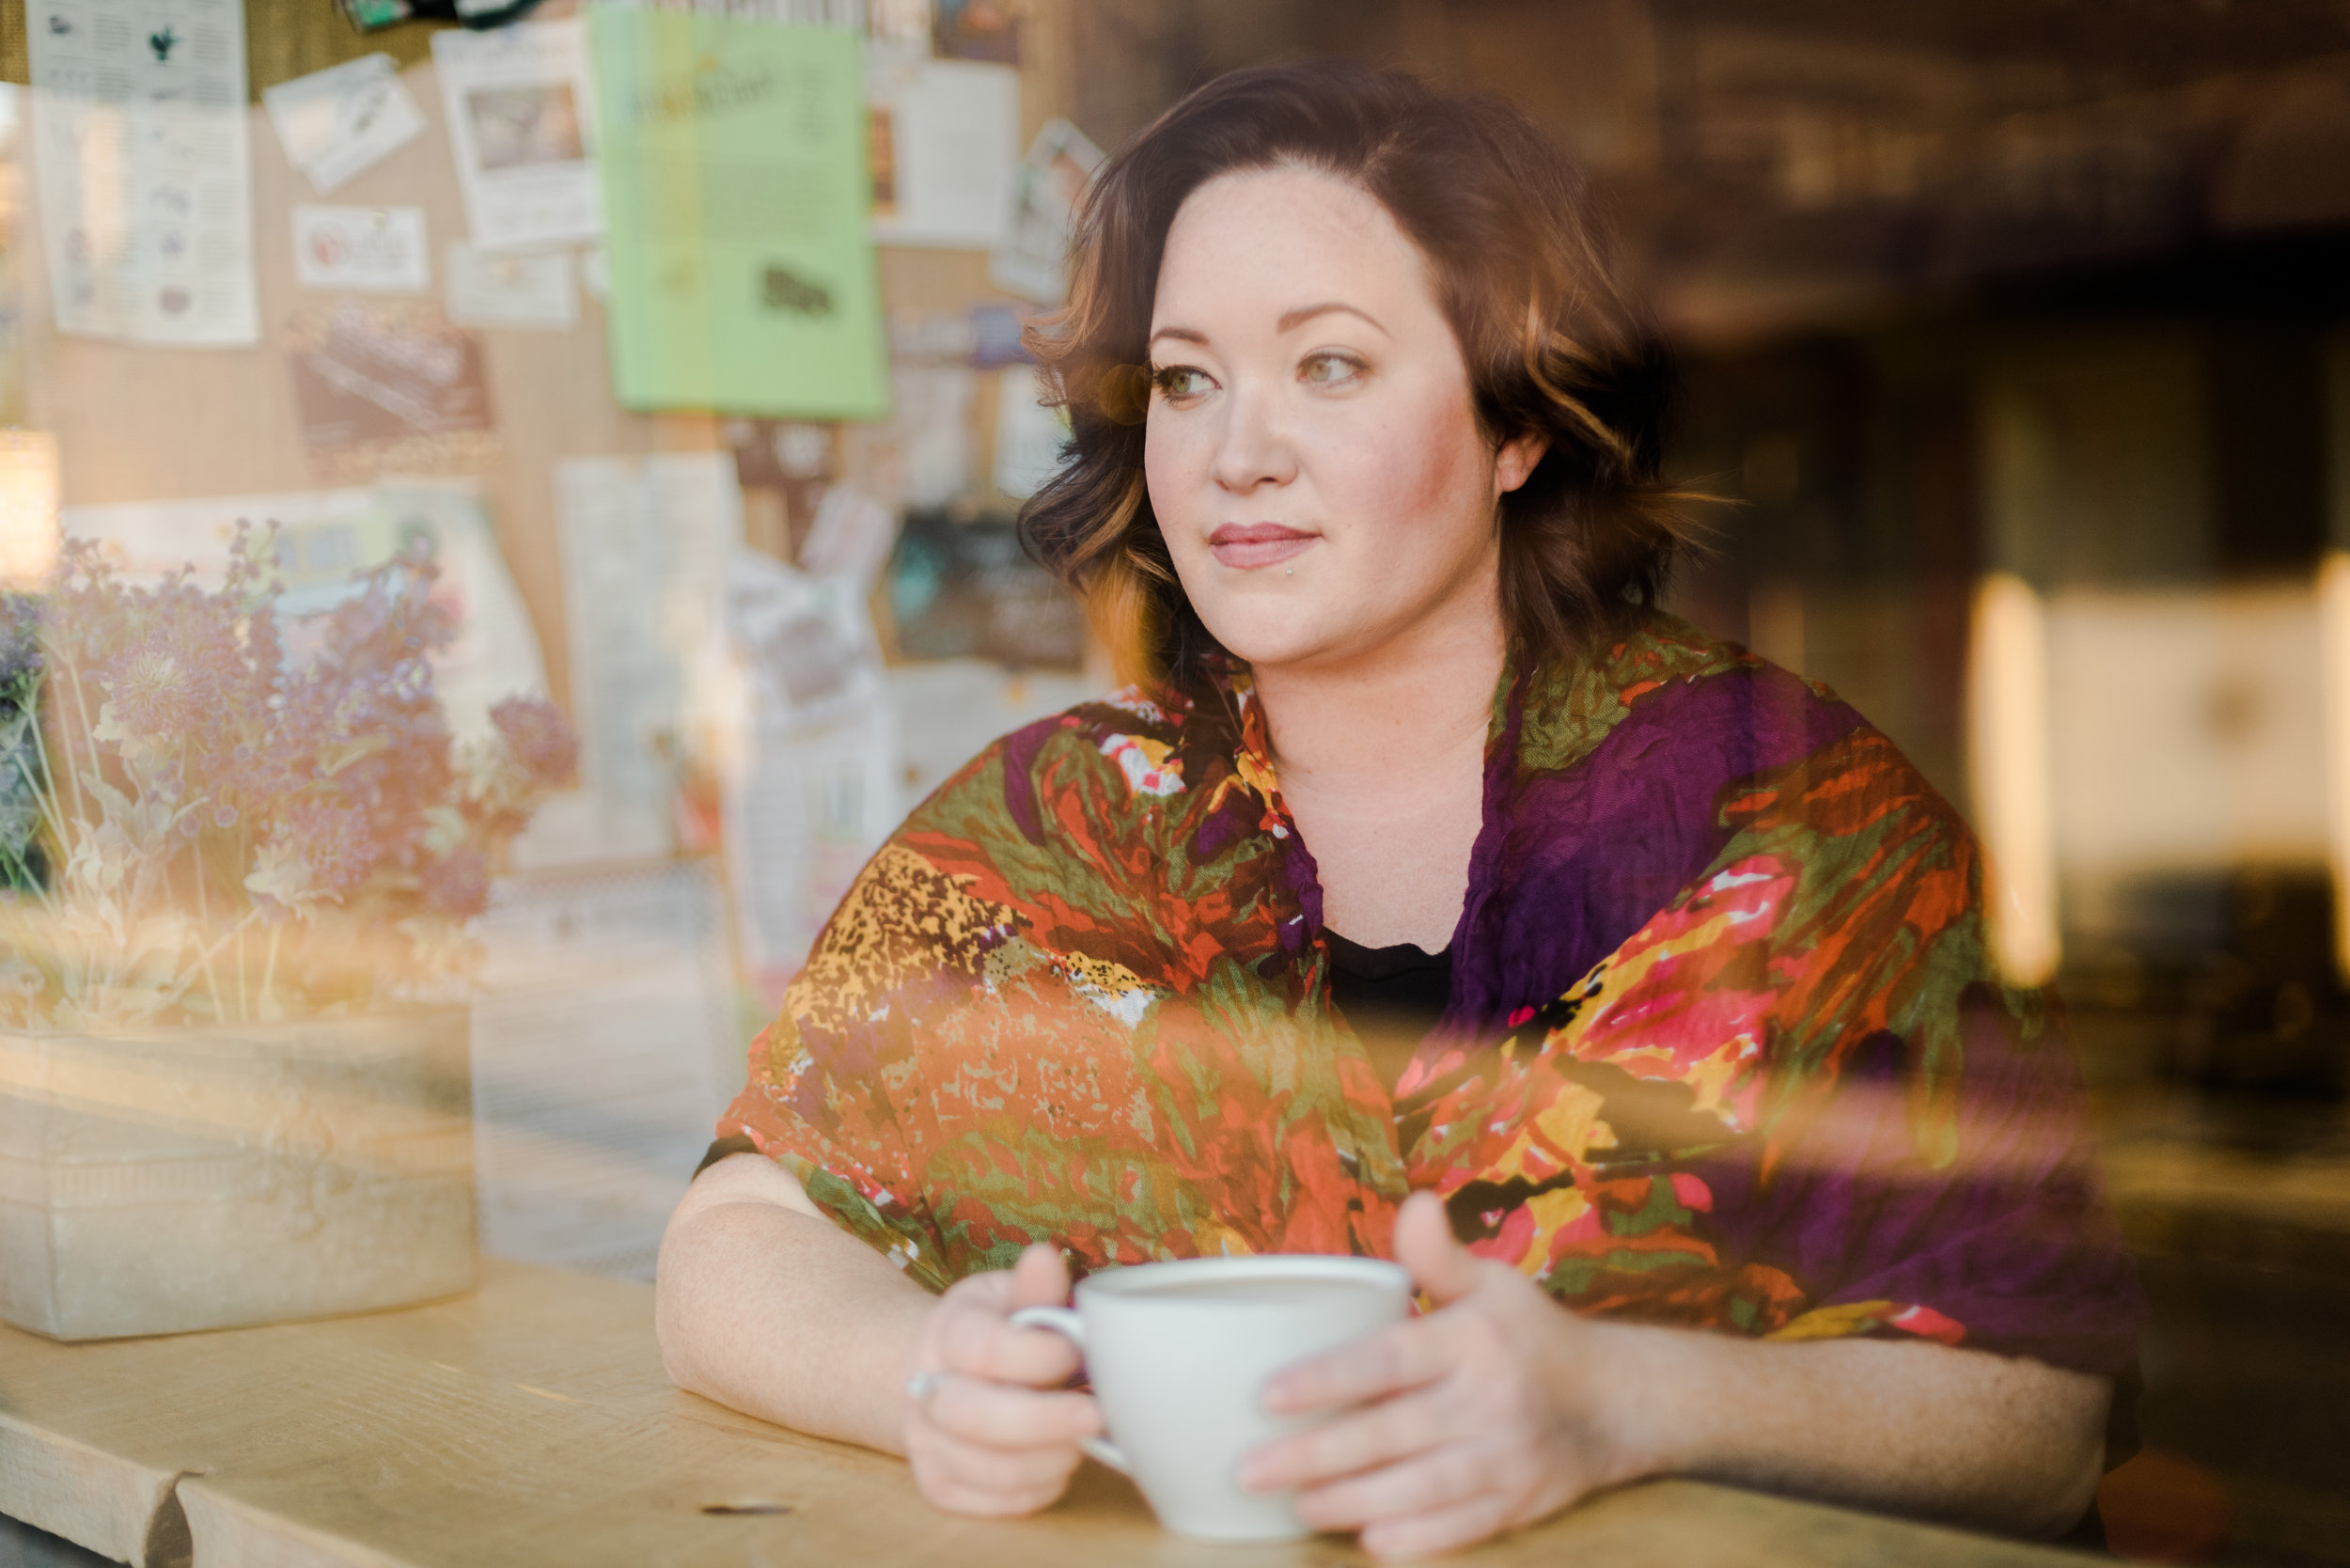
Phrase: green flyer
[737,198]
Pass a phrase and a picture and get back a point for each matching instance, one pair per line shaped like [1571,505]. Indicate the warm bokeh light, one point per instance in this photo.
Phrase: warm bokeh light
[2333,626]
[29,507]
[2007,728]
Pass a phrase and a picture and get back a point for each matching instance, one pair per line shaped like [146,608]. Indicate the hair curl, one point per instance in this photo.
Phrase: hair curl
[1554,347]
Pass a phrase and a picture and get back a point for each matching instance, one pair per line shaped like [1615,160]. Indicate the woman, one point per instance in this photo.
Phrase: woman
[1436,897]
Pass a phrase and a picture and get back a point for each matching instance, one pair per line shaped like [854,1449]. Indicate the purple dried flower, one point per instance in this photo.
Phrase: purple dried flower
[541,738]
[154,688]
[334,841]
[457,884]
[20,641]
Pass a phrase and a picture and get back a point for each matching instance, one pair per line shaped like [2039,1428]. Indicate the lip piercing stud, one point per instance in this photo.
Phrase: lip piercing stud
[1289,571]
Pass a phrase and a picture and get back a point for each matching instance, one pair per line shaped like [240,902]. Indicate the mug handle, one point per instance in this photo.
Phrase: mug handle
[1070,1327]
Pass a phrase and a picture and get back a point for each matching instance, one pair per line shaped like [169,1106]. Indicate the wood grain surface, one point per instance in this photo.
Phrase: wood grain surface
[531,1423]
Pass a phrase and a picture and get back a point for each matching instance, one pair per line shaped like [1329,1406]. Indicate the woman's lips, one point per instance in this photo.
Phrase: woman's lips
[1249,546]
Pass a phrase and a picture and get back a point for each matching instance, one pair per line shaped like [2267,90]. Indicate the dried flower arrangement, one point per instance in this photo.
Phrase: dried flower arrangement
[210,812]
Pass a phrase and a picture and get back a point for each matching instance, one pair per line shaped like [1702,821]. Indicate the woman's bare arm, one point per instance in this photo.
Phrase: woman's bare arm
[766,1305]
[2000,1443]
[1501,1407]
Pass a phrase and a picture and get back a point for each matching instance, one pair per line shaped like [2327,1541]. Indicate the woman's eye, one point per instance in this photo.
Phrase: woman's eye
[1330,370]
[1180,381]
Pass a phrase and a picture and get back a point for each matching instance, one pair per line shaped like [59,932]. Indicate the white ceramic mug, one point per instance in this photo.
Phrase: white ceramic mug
[1180,1354]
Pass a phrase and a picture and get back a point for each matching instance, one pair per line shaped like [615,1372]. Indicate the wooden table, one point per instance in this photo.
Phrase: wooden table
[531,1423]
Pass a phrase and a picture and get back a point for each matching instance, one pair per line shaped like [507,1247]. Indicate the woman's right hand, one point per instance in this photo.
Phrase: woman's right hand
[990,1429]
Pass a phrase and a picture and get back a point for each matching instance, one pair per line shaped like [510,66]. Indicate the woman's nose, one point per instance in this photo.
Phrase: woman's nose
[1254,447]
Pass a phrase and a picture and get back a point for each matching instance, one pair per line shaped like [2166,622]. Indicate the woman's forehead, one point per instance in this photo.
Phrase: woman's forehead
[1262,243]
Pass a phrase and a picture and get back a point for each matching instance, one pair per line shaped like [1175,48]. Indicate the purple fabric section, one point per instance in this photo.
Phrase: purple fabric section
[2015,1242]
[1020,749]
[1570,864]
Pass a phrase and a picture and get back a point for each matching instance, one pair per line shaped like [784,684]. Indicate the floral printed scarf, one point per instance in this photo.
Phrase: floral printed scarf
[1724,1048]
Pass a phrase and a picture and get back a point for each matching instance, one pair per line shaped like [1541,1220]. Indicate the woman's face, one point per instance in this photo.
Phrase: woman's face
[1313,456]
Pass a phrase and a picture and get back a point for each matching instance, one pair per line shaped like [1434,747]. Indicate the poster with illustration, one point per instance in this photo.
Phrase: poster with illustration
[388,387]
[742,263]
[521,128]
[144,170]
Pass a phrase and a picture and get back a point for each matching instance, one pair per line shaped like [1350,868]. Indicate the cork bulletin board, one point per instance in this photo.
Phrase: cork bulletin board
[137,423]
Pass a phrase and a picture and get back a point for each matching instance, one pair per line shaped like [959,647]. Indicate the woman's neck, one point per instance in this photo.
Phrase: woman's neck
[1407,708]
[1381,762]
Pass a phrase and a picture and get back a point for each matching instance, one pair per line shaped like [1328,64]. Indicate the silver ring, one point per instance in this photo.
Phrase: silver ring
[922,1384]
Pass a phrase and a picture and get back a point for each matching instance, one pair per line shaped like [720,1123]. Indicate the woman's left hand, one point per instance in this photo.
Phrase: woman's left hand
[1481,1415]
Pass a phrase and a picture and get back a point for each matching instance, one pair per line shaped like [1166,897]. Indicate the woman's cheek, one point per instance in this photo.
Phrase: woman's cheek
[1172,474]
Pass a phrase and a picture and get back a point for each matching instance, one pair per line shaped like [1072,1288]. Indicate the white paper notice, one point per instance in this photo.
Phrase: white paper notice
[1028,434]
[368,250]
[534,292]
[811,783]
[850,537]
[521,127]
[811,810]
[949,709]
[645,543]
[931,424]
[335,122]
[143,169]
[1050,185]
[604,1047]
[946,138]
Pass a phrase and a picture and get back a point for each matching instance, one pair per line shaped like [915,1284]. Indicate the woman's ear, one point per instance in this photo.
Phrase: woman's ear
[1515,463]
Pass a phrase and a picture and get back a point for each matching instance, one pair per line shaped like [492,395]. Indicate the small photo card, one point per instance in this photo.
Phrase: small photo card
[335,122]
[537,293]
[362,250]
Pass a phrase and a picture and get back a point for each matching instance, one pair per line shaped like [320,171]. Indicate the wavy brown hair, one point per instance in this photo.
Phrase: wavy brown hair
[1552,345]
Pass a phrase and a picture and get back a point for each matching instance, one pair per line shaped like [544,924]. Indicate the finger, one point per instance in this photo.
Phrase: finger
[1406,1356]
[1445,1530]
[1040,1279]
[1429,1479]
[1388,1432]
[1424,1244]
[981,1344]
[961,1497]
[1001,1470]
[990,1290]
[1003,1415]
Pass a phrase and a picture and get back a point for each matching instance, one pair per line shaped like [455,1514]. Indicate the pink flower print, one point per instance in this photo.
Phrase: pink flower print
[1150,767]
[1676,1002]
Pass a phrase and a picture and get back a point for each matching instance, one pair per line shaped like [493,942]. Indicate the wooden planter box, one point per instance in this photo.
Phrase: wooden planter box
[218,1177]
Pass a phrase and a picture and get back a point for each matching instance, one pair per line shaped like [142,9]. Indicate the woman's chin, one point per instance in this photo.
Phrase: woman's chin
[1264,640]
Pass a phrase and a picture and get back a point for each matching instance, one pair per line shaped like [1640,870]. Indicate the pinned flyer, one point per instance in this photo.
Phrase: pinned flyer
[335,123]
[736,159]
[535,292]
[143,170]
[1030,434]
[521,128]
[1033,262]
[366,250]
[945,141]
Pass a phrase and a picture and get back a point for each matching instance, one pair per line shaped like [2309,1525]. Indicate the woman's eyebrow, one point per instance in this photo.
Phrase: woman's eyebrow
[1290,319]
[1187,335]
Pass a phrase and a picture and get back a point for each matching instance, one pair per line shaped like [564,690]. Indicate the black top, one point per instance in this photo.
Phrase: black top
[1390,997]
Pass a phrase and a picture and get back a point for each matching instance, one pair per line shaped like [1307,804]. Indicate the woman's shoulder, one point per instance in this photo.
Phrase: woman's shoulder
[1119,753]
[1670,694]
